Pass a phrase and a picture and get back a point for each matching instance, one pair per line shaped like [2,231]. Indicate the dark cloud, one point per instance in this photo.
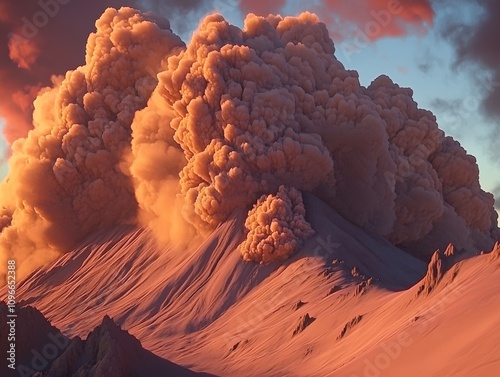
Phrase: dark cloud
[425,67]
[477,43]
[472,28]
[36,42]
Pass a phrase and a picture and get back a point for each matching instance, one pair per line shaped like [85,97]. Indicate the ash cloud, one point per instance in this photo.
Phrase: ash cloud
[34,33]
[66,177]
[40,39]
[270,105]
[276,227]
[152,131]
[32,37]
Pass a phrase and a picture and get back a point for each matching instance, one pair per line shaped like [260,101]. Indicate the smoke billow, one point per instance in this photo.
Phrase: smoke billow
[156,163]
[154,131]
[32,35]
[375,19]
[65,178]
[39,39]
[276,227]
[270,105]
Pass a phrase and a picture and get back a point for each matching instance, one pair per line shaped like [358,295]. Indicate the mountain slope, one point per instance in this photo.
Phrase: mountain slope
[334,309]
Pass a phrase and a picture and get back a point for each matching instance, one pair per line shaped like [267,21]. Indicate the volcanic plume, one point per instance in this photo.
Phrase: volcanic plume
[34,33]
[374,18]
[65,180]
[32,37]
[276,227]
[149,130]
[40,39]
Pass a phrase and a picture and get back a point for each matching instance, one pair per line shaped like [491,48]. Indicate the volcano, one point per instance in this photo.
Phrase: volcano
[347,304]
[241,205]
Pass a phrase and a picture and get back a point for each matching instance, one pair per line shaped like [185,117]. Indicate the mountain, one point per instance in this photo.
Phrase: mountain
[43,351]
[348,304]
[36,341]
[108,350]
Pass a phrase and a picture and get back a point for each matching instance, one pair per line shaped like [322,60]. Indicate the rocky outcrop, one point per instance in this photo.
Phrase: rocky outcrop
[304,321]
[435,272]
[109,350]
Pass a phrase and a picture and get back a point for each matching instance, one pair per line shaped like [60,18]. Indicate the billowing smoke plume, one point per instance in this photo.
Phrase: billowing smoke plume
[32,36]
[270,105]
[366,19]
[39,39]
[65,178]
[235,115]
[276,227]
[156,164]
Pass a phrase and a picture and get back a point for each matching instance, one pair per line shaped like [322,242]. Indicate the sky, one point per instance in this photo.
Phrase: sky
[423,48]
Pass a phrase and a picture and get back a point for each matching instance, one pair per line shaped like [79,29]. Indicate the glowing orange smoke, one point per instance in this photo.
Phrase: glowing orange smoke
[22,51]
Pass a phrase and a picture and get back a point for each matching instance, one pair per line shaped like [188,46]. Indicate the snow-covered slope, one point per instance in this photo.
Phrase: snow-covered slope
[348,304]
